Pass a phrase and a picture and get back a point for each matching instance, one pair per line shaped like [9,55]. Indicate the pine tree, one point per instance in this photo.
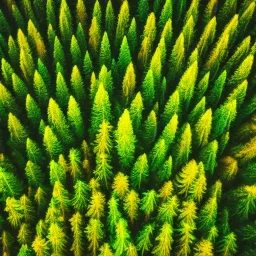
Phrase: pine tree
[242,71]
[96,206]
[125,139]
[228,245]
[81,14]
[110,19]
[136,110]
[102,149]
[166,13]
[120,184]
[17,131]
[176,61]
[216,92]
[34,174]
[101,109]
[105,250]
[65,23]
[242,199]
[94,233]
[57,238]
[75,118]
[40,246]
[33,111]
[94,36]
[157,154]
[36,40]
[80,197]
[142,11]
[150,28]
[183,147]
[81,38]
[204,248]
[148,202]
[113,213]
[164,241]
[9,184]
[122,23]
[144,53]
[132,36]
[203,128]
[50,13]
[124,58]
[131,205]
[105,52]
[58,52]
[97,12]
[144,238]
[187,84]
[51,143]
[140,171]
[150,128]
[61,197]
[14,210]
[148,89]
[128,85]
[58,121]
[62,92]
[76,53]
[227,11]
[223,118]
[77,85]
[122,238]
[40,89]
[76,222]
[87,67]
[207,37]
[75,163]
[168,210]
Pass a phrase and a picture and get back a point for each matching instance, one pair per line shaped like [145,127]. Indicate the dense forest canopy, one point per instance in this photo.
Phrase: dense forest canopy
[127,127]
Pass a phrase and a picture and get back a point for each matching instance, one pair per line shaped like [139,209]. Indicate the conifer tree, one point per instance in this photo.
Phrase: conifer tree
[150,128]
[14,210]
[148,202]
[125,139]
[144,239]
[75,117]
[113,213]
[105,250]
[131,205]
[164,241]
[75,51]
[80,197]
[122,23]
[142,11]
[183,147]
[122,238]
[101,109]
[65,23]
[168,210]
[40,90]
[87,67]
[94,233]
[176,61]
[51,143]
[58,121]
[96,206]
[57,238]
[157,154]
[110,19]
[148,89]
[140,171]
[81,14]
[132,36]
[9,184]
[94,36]
[128,85]
[216,92]
[124,58]
[105,52]
[102,149]
[62,92]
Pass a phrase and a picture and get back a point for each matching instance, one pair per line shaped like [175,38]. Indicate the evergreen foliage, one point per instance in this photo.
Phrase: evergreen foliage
[127,127]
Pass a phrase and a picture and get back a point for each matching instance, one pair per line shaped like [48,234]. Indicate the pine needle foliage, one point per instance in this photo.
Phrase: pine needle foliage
[127,127]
